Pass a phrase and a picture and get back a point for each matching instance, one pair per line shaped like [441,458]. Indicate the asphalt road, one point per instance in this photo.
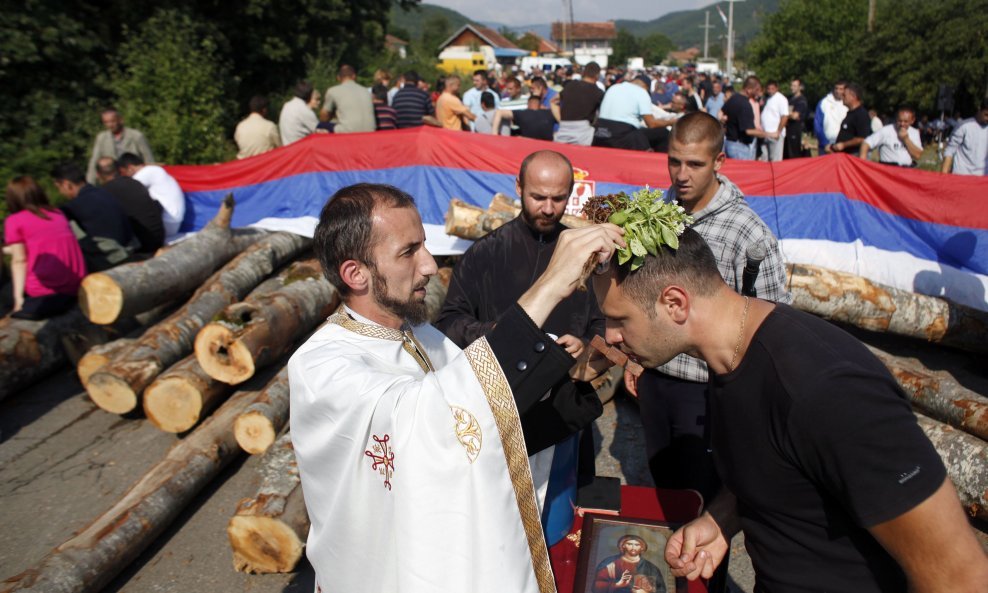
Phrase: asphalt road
[63,462]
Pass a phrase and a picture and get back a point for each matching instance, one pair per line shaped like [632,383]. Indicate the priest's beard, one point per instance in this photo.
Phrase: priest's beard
[413,311]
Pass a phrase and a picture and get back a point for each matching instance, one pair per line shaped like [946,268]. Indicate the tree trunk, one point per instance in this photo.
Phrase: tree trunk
[471,222]
[117,387]
[99,356]
[966,458]
[268,531]
[941,398]
[90,560]
[249,335]
[140,286]
[258,426]
[182,395]
[858,301]
[32,350]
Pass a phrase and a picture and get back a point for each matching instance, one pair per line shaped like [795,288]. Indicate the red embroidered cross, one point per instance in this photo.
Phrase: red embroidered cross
[384,458]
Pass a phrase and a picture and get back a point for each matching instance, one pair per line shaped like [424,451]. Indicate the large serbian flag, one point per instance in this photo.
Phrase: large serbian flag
[916,230]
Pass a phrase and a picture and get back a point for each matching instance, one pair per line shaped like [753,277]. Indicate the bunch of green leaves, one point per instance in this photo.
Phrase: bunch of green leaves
[648,222]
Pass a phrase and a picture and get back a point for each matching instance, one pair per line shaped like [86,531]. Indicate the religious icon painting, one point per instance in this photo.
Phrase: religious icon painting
[624,554]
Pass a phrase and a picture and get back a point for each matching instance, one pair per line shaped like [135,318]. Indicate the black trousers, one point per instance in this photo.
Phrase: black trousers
[674,417]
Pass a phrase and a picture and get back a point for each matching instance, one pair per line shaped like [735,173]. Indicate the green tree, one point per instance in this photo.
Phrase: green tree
[817,41]
[173,85]
[508,34]
[434,31]
[529,42]
[917,46]
[625,46]
[655,47]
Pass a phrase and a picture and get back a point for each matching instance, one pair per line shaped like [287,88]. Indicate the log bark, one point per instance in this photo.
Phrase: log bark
[140,286]
[256,428]
[940,398]
[471,222]
[98,356]
[118,386]
[966,458]
[88,561]
[851,299]
[249,335]
[268,531]
[183,395]
[31,351]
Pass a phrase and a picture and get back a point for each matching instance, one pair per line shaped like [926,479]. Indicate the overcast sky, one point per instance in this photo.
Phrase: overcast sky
[532,12]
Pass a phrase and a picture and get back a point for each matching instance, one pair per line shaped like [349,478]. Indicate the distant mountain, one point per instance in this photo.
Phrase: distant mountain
[412,20]
[684,27]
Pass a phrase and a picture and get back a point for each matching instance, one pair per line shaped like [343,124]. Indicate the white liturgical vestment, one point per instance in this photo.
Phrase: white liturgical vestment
[413,464]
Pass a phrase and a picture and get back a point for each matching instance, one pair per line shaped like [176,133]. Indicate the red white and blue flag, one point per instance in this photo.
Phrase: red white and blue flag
[916,230]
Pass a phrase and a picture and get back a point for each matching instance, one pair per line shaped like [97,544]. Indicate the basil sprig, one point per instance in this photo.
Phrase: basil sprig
[647,220]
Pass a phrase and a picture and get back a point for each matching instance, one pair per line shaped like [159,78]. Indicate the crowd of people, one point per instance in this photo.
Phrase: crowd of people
[589,106]
[123,207]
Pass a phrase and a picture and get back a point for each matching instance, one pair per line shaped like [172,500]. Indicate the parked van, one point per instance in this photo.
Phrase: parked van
[460,61]
[543,64]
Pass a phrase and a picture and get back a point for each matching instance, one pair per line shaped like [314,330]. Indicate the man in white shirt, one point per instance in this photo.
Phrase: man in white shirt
[162,187]
[967,151]
[471,98]
[297,119]
[775,116]
[899,143]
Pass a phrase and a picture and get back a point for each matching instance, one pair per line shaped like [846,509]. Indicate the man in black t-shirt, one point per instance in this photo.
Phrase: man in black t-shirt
[98,221]
[856,125]
[825,467]
[143,212]
[578,105]
[739,122]
[534,122]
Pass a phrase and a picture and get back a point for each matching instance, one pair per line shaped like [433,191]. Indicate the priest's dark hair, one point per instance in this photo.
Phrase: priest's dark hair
[345,225]
[691,266]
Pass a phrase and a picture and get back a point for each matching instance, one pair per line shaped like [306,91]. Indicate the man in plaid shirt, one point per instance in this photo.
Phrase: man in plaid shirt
[672,398]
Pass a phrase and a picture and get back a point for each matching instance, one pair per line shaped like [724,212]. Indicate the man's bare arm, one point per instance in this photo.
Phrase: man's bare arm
[935,546]
[948,163]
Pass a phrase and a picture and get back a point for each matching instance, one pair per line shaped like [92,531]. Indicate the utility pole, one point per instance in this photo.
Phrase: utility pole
[871,16]
[730,42]
[706,33]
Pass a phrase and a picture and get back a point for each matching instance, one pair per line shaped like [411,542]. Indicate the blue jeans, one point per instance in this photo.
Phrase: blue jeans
[739,150]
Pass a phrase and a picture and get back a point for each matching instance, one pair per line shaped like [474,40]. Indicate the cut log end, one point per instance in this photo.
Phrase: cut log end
[263,545]
[111,393]
[222,356]
[254,432]
[89,364]
[172,404]
[100,298]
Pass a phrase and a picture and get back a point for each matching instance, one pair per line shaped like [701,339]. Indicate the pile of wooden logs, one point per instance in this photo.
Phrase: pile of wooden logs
[174,335]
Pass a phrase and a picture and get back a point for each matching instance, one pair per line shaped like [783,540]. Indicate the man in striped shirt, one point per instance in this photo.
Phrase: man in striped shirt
[413,105]
[385,116]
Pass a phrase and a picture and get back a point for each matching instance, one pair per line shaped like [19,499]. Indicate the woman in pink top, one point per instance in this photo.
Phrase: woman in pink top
[46,261]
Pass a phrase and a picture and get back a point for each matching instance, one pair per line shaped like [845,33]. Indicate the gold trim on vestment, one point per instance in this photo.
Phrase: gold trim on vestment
[502,404]
[408,341]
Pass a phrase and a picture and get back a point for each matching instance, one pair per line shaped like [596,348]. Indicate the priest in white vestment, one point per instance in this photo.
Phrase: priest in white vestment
[410,451]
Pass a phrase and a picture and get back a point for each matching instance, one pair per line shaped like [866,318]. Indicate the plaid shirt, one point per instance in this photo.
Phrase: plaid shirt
[729,225]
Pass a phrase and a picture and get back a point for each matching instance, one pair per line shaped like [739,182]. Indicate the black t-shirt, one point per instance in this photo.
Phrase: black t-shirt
[818,442]
[535,123]
[856,124]
[740,117]
[579,101]
[99,215]
[143,212]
